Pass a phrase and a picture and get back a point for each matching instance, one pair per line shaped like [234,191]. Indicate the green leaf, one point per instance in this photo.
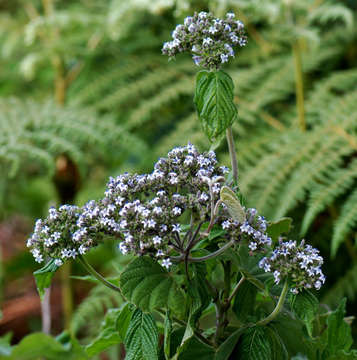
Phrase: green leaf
[5,345]
[254,345]
[167,335]
[195,349]
[344,355]
[141,341]
[226,348]
[337,336]
[234,207]
[38,345]
[214,102]
[305,305]
[277,346]
[149,286]
[277,228]
[113,330]
[43,277]
[244,301]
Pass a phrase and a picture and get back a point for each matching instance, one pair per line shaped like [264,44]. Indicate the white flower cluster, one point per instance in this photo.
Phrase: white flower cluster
[58,236]
[145,210]
[253,230]
[301,263]
[210,40]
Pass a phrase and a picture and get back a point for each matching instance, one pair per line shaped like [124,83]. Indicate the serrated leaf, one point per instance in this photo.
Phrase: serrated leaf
[149,286]
[227,347]
[278,349]
[214,102]
[244,301]
[254,345]
[141,341]
[43,277]
[305,305]
[337,336]
[113,330]
[234,207]
[277,228]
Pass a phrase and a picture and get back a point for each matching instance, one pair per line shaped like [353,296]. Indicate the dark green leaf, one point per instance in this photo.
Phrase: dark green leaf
[226,348]
[254,345]
[44,277]
[197,350]
[344,355]
[141,341]
[305,305]
[214,102]
[337,336]
[244,301]
[277,228]
[149,286]
[278,349]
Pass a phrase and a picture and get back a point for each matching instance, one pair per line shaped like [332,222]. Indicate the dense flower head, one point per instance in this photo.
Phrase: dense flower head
[210,40]
[300,263]
[59,237]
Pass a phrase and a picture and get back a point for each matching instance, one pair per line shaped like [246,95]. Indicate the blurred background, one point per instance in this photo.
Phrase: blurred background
[85,93]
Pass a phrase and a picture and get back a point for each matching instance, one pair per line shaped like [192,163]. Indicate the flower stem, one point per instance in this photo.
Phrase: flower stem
[203,258]
[232,153]
[278,306]
[98,276]
[236,288]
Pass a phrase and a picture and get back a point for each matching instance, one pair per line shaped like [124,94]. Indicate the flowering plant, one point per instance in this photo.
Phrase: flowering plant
[200,255]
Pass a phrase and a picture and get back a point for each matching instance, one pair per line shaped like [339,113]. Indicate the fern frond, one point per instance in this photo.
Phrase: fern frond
[94,307]
[345,223]
[327,159]
[322,195]
[345,286]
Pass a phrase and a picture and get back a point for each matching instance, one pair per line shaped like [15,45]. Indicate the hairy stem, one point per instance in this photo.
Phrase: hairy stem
[232,153]
[67,296]
[278,306]
[98,276]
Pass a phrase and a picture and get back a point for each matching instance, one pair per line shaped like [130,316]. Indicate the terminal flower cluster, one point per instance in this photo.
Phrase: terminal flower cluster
[210,40]
[300,263]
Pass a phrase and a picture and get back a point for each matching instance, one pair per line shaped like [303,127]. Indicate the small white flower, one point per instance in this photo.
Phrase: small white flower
[176,211]
[58,262]
[123,248]
[156,240]
[166,263]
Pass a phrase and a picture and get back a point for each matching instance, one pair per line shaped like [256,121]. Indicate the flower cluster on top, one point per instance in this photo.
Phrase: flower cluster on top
[301,263]
[210,40]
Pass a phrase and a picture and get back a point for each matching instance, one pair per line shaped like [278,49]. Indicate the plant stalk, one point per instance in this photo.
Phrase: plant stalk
[204,258]
[232,153]
[98,276]
[278,306]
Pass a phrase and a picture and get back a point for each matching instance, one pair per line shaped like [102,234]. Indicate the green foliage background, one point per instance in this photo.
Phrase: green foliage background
[86,79]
